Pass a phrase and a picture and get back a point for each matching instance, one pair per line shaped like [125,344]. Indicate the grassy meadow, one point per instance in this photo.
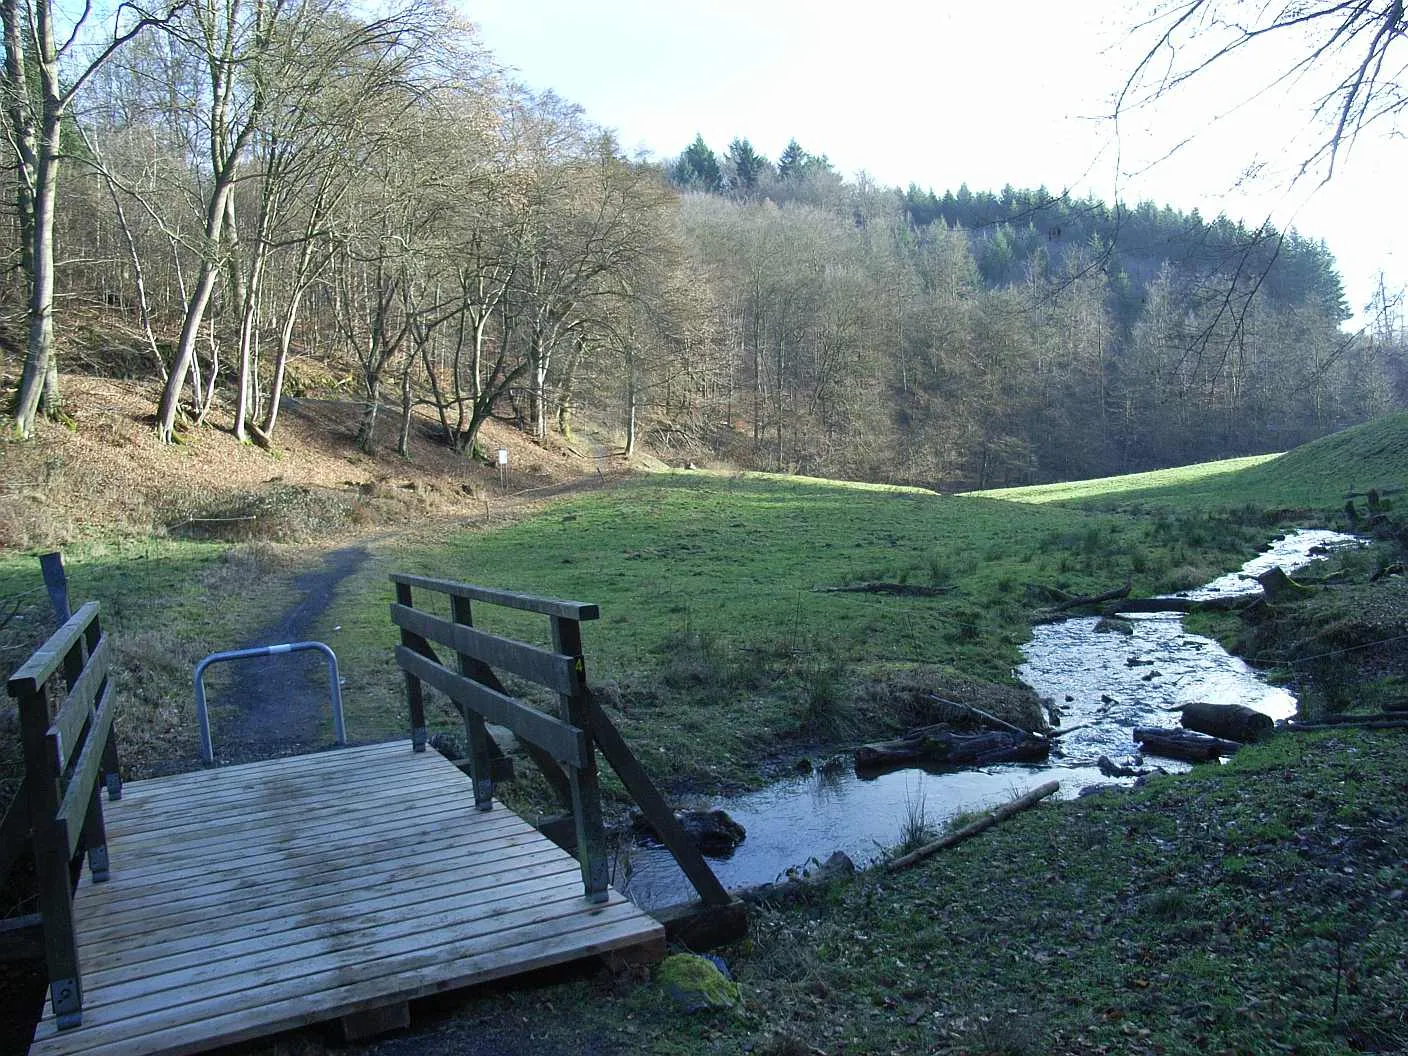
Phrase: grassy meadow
[1311,480]
[724,639]
[1254,907]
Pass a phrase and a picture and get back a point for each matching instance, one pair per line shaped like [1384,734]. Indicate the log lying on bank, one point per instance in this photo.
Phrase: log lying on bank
[1092,599]
[1183,744]
[987,821]
[1398,723]
[978,713]
[800,886]
[1234,722]
[938,747]
[899,590]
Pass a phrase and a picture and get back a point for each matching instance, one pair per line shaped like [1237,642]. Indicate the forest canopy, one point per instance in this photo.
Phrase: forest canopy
[247,187]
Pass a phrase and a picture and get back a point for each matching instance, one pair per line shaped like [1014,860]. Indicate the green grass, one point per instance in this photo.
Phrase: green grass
[168,603]
[1318,476]
[717,629]
[1179,477]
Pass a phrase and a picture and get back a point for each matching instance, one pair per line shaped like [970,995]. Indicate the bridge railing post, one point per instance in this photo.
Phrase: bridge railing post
[51,861]
[415,695]
[476,736]
[583,780]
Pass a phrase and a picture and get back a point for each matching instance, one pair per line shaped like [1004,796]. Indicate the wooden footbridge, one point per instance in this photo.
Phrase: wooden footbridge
[231,903]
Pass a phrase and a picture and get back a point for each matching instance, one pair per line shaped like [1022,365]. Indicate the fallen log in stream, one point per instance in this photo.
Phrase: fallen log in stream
[1234,722]
[941,747]
[1225,603]
[1116,601]
[1183,744]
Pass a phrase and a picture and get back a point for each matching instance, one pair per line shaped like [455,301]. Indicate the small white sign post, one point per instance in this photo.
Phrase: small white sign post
[503,469]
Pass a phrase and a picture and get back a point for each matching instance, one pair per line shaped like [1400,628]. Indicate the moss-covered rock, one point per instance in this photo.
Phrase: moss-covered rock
[696,984]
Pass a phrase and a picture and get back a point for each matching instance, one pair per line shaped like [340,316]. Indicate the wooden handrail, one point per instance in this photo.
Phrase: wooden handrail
[557,671]
[50,656]
[571,740]
[67,729]
[572,610]
[64,757]
[565,743]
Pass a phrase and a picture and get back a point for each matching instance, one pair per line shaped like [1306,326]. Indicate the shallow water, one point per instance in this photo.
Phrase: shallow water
[1111,681]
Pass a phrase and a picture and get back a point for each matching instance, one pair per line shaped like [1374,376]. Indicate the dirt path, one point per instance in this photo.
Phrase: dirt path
[279,701]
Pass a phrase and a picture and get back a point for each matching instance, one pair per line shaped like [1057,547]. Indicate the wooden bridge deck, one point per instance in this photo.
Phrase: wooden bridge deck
[253,899]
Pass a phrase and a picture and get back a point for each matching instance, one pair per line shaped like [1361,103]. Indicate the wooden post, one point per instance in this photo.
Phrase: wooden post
[545,763]
[51,861]
[586,791]
[476,736]
[415,695]
[56,583]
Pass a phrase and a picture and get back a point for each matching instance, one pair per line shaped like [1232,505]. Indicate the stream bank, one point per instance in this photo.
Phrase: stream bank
[1107,683]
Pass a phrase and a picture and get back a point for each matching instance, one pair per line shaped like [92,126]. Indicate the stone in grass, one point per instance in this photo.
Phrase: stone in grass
[697,984]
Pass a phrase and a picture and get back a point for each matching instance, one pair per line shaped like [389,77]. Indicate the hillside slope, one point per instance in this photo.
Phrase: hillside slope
[106,473]
[1319,475]
[1328,470]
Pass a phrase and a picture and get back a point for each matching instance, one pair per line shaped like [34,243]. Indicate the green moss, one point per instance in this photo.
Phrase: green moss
[695,983]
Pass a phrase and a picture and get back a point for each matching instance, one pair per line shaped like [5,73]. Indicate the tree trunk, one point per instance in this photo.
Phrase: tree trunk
[242,293]
[565,391]
[403,441]
[366,428]
[276,390]
[39,379]
[539,396]
[195,315]
[631,414]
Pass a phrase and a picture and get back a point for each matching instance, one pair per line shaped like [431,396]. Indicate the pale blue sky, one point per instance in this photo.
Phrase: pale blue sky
[945,93]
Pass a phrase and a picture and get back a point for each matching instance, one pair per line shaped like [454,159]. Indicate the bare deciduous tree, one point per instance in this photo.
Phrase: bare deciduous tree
[43,74]
[1353,54]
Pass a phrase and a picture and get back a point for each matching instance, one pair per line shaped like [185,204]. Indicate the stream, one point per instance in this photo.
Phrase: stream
[1106,681]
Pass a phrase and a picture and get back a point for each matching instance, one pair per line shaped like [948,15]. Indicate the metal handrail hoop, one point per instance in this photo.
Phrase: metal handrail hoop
[207,749]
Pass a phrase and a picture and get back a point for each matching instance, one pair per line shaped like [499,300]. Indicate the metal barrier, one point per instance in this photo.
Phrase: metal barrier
[207,750]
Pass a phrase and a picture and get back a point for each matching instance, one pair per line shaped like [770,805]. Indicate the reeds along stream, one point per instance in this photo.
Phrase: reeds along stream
[1108,682]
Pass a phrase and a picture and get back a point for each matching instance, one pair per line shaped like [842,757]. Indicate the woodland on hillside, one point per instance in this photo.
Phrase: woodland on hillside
[226,191]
